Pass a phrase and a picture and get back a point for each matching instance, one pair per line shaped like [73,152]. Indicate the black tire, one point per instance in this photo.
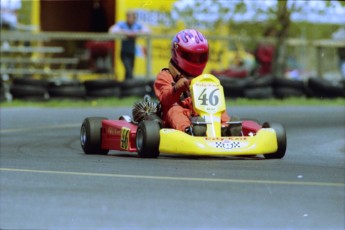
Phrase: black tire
[91,136]
[133,83]
[68,92]
[238,82]
[64,83]
[109,92]
[259,93]
[28,91]
[233,87]
[233,92]
[280,82]
[135,92]
[265,81]
[286,92]
[281,140]
[30,82]
[342,83]
[326,88]
[310,93]
[150,87]
[2,93]
[151,82]
[147,139]
[101,84]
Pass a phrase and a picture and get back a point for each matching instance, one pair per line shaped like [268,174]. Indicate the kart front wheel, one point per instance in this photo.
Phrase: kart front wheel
[281,140]
[147,139]
[91,136]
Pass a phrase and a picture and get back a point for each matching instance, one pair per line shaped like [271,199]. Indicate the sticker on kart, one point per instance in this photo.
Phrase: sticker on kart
[227,144]
[207,97]
[125,138]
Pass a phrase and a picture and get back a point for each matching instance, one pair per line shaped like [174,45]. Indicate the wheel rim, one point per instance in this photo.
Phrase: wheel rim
[139,139]
[83,135]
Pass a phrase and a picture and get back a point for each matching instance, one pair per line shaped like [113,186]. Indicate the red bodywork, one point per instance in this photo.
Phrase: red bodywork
[120,134]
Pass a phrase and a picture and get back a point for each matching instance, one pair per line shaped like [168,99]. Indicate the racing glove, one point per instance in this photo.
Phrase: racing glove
[181,85]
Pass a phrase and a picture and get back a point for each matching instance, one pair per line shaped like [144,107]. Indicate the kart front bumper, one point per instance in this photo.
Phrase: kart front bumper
[177,142]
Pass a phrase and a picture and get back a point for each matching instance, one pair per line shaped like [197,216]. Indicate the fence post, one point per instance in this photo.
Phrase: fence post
[148,57]
[319,57]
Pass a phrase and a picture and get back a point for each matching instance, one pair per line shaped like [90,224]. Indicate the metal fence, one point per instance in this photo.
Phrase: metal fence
[317,55]
[34,66]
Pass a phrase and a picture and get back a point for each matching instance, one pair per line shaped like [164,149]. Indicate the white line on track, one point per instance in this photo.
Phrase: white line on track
[3,131]
[194,179]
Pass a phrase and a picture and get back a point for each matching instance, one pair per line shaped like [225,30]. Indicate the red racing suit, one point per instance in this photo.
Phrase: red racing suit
[176,109]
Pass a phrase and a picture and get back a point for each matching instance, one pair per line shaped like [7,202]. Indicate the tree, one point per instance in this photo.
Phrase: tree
[281,21]
[276,14]
[282,31]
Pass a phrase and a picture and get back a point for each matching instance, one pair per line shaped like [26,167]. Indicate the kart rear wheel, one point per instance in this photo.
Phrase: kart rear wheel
[147,139]
[281,140]
[91,136]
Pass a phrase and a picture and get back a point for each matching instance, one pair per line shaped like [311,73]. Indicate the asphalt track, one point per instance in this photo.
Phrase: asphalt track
[46,182]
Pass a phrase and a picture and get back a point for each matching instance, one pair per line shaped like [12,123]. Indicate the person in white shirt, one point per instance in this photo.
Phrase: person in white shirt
[131,28]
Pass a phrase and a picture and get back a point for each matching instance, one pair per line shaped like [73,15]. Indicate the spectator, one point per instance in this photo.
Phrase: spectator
[131,29]
[9,13]
[264,54]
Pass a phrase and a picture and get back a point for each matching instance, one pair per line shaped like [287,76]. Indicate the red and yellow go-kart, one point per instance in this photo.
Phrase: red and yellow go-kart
[149,138]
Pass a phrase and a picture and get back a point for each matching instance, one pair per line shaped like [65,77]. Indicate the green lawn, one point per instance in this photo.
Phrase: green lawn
[125,102]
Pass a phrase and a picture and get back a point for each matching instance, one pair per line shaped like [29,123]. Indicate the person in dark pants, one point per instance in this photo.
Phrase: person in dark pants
[131,28]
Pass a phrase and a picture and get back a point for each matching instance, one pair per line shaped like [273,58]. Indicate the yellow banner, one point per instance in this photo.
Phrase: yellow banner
[156,15]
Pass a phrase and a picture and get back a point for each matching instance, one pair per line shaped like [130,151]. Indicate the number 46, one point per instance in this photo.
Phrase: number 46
[212,98]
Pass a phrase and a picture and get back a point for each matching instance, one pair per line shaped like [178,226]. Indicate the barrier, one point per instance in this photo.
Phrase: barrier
[319,45]
[22,55]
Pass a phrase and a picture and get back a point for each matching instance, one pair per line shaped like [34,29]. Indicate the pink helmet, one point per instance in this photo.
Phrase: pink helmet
[189,52]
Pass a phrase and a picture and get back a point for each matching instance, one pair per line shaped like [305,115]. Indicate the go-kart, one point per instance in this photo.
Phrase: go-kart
[148,137]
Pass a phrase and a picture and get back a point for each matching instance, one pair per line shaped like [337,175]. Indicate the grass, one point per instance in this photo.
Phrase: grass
[128,102]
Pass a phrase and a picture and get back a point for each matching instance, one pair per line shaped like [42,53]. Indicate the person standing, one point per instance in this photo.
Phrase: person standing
[131,28]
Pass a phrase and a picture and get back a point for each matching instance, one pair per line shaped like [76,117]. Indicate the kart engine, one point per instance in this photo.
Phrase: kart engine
[145,109]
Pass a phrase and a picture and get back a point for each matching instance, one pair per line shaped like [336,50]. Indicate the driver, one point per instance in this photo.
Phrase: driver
[189,55]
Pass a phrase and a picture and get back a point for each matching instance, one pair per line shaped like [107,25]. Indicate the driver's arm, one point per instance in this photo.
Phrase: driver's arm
[165,90]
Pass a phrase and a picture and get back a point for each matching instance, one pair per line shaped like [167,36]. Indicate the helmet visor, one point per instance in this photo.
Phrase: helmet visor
[197,58]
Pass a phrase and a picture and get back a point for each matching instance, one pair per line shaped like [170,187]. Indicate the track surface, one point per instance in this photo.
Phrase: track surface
[46,181]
